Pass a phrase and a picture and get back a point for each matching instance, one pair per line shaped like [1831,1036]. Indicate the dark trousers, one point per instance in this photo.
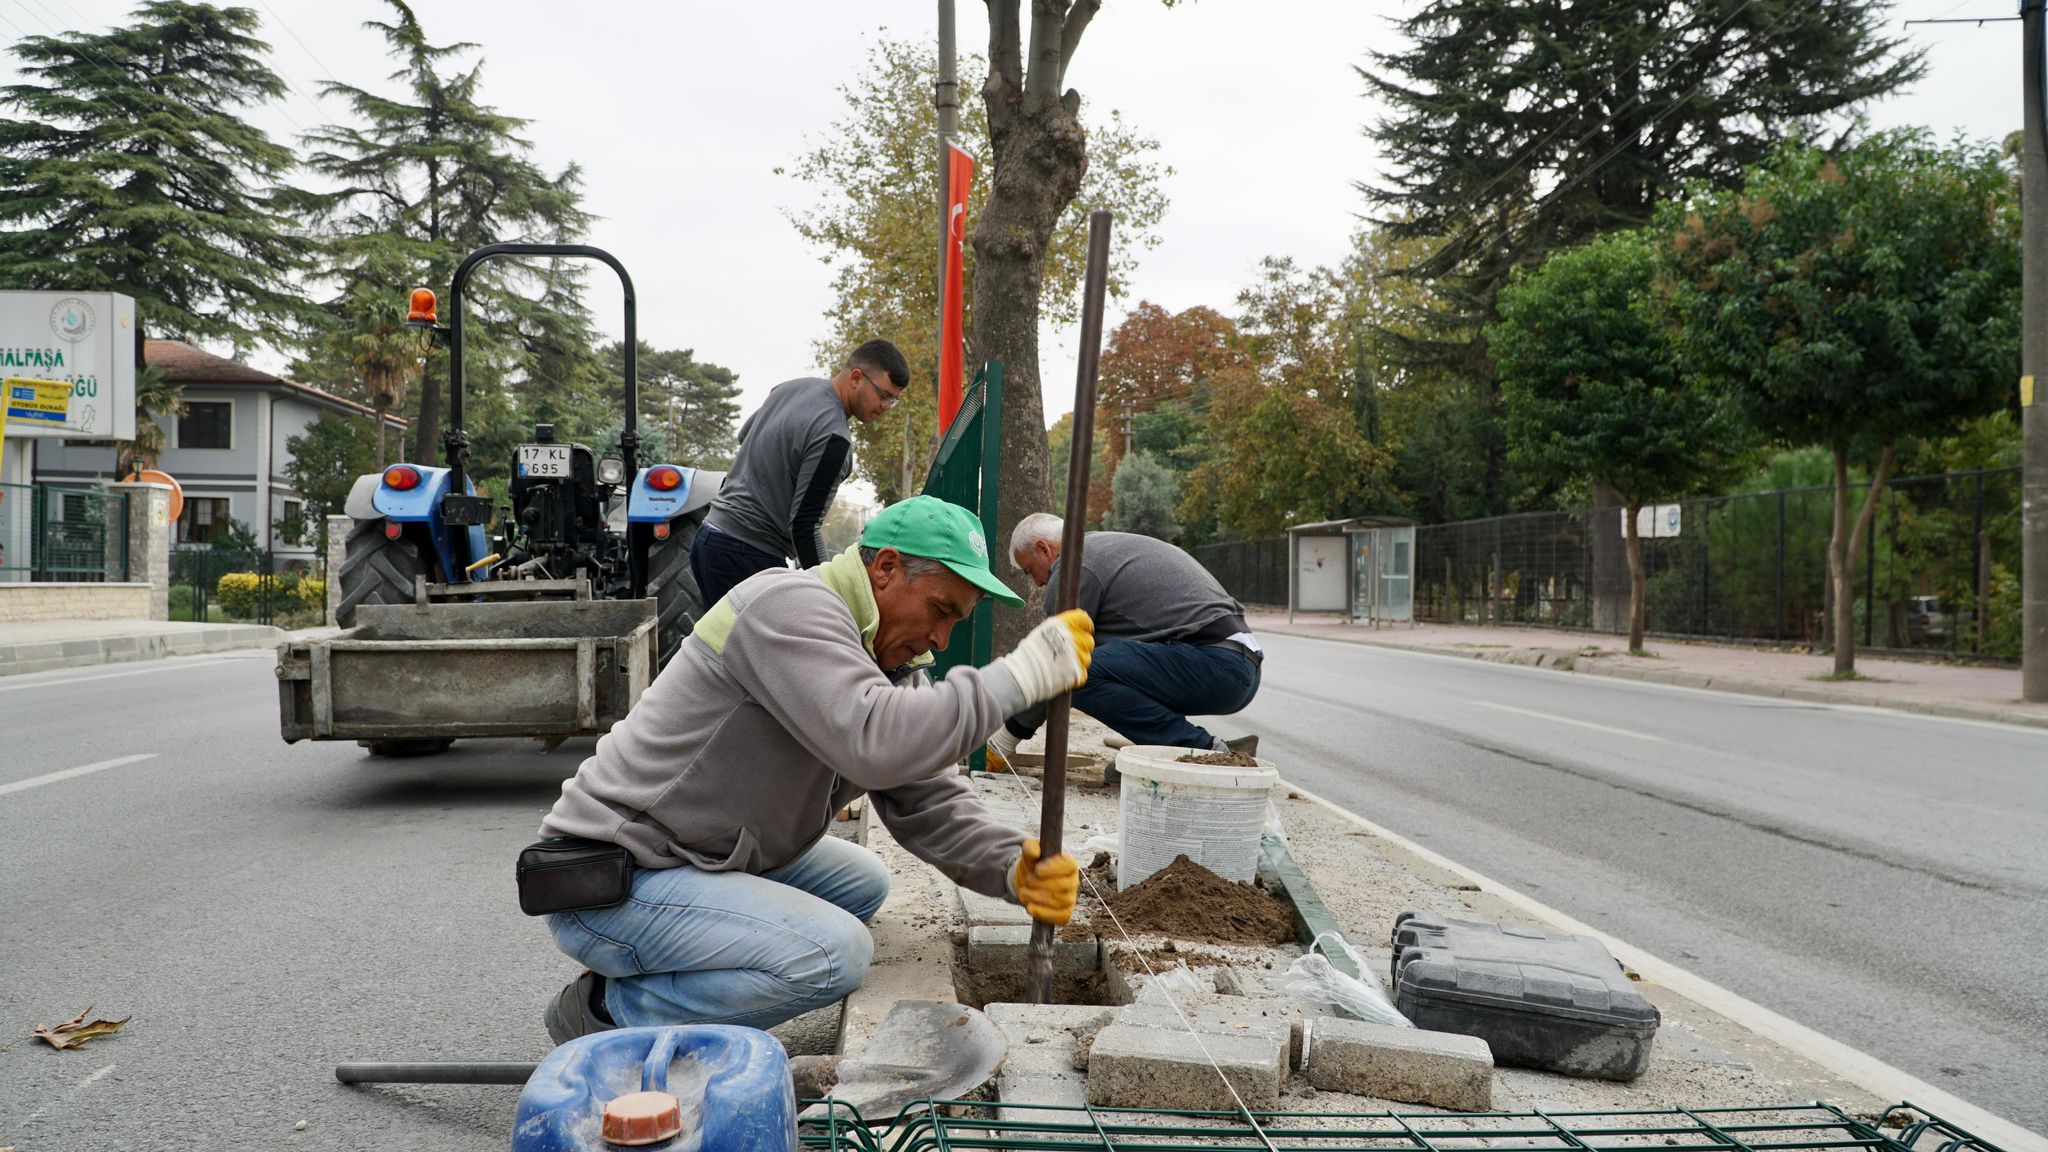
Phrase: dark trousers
[1146,692]
[720,560]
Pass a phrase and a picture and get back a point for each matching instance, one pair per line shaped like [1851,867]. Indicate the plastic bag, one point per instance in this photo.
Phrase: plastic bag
[1179,980]
[1313,977]
[1274,827]
[1096,845]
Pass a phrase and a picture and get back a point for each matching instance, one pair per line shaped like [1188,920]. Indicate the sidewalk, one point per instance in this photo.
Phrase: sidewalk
[1956,691]
[41,645]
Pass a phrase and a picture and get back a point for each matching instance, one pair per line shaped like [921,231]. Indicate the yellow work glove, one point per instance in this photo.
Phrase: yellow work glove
[1053,657]
[1001,747]
[1046,887]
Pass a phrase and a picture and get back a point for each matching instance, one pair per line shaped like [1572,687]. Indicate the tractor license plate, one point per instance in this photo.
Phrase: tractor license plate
[546,460]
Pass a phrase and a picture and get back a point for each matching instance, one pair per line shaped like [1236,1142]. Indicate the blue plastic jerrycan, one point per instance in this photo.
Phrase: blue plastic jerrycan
[727,1090]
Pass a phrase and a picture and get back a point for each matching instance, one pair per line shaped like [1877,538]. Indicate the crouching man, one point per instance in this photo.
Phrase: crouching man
[797,693]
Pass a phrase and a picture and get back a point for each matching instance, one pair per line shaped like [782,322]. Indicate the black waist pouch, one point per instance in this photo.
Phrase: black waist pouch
[569,873]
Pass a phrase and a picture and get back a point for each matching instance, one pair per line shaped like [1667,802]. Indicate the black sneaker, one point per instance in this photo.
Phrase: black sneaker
[570,1014]
[1245,745]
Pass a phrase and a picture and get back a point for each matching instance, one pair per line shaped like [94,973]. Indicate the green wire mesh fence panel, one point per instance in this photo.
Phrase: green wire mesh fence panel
[947,1126]
[966,471]
[51,533]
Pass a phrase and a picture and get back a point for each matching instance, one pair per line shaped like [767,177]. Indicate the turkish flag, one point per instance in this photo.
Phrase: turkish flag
[952,334]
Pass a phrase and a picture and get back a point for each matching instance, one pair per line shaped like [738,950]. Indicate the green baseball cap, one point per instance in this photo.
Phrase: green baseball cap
[938,530]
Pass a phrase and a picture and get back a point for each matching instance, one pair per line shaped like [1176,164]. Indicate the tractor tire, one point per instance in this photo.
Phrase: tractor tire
[670,581]
[375,570]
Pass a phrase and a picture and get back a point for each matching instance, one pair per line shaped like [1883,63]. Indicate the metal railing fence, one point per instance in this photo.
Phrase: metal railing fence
[50,533]
[1940,572]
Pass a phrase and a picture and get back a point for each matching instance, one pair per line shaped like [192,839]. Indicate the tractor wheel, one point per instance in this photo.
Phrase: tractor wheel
[670,581]
[376,570]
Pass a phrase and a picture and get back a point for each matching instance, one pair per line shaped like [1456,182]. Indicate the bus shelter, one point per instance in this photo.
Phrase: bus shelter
[1363,567]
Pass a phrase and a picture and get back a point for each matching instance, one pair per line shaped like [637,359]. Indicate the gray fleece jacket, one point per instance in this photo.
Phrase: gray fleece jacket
[772,717]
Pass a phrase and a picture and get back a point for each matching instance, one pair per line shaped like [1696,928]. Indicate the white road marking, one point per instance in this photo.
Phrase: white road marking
[1566,720]
[68,773]
[178,667]
[1859,1068]
[81,1086]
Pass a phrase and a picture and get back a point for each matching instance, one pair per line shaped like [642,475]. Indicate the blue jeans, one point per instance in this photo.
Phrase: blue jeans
[720,561]
[696,947]
[1146,691]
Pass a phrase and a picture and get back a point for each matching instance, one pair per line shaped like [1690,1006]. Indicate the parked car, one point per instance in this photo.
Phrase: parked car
[1928,621]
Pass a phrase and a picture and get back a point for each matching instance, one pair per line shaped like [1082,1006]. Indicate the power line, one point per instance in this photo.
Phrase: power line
[326,72]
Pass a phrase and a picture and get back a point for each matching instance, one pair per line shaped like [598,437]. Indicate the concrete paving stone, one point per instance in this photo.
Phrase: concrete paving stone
[1210,1013]
[1007,948]
[982,910]
[1137,1066]
[1402,1064]
[1043,1037]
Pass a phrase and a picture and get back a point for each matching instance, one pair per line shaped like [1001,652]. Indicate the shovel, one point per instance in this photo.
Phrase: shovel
[925,1049]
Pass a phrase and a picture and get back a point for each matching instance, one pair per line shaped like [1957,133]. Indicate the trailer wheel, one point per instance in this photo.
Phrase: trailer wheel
[399,749]
[376,570]
[670,581]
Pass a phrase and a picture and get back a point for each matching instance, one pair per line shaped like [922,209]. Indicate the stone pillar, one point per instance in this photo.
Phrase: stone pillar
[337,549]
[149,542]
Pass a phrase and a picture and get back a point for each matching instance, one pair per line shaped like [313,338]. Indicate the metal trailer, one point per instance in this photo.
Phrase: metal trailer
[550,628]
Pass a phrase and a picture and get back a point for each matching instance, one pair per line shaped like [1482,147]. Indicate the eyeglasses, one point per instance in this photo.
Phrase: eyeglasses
[888,398]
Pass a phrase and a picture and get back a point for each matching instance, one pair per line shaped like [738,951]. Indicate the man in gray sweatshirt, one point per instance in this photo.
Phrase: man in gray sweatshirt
[795,450]
[1173,642]
[797,693]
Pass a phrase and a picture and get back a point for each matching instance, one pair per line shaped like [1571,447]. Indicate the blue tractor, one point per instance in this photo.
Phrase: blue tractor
[607,534]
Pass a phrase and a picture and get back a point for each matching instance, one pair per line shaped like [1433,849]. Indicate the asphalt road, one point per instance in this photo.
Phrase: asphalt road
[265,911]
[1877,876]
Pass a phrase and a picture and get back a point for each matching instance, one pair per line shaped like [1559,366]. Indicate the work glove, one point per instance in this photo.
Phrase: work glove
[1053,657]
[1001,747]
[1046,886]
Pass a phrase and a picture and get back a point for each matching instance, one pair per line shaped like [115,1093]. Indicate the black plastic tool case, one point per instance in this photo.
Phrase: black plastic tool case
[1539,999]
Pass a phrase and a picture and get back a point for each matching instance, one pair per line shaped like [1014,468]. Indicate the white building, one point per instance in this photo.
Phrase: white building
[227,452]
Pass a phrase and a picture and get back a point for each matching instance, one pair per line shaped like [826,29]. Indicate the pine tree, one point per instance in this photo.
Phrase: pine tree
[424,179]
[132,171]
[694,406]
[1518,128]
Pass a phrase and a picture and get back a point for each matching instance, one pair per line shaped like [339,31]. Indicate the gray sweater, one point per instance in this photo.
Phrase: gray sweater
[1140,588]
[794,452]
[771,719]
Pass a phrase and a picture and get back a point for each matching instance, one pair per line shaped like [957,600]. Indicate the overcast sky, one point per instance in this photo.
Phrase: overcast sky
[680,112]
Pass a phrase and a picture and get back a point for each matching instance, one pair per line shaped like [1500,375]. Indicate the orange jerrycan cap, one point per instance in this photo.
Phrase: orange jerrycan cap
[642,1118]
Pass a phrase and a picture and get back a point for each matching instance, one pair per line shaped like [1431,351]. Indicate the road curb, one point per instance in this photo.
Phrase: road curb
[1574,660]
[50,655]
[1851,1064]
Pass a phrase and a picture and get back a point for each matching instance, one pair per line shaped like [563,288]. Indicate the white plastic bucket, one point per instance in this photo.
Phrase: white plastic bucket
[1210,813]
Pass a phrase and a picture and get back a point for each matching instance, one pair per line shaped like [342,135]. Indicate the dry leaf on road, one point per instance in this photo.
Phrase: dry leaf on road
[76,1030]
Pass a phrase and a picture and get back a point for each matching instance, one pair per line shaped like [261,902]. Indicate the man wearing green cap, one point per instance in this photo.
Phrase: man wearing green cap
[798,692]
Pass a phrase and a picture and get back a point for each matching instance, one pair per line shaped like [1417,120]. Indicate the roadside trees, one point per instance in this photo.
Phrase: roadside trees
[1593,389]
[1856,300]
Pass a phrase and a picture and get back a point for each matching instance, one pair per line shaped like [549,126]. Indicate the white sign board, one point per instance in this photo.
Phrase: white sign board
[1652,521]
[87,340]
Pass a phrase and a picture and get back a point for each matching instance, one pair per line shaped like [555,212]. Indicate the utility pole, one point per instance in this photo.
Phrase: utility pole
[946,97]
[1130,425]
[2034,362]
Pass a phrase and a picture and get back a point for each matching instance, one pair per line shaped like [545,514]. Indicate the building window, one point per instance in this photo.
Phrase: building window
[204,521]
[291,527]
[207,424]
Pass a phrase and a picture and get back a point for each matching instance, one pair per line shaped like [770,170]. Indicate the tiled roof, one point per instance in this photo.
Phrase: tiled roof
[184,364]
